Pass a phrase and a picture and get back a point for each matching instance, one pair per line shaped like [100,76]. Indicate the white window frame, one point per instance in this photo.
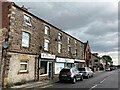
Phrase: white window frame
[47,30]
[68,40]
[46,42]
[75,42]
[59,47]
[75,52]
[27,18]
[47,70]
[23,63]
[59,36]
[25,39]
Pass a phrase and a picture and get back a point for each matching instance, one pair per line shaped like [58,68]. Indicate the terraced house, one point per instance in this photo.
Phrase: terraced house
[33,49]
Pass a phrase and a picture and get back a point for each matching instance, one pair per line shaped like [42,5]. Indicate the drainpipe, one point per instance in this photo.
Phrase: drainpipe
[39,67]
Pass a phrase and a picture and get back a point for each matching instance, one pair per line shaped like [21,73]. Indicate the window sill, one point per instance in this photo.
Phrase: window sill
[23,72]
[44,75]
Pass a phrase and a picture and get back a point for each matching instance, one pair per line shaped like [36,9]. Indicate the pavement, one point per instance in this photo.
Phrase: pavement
[40,84]
[43,83]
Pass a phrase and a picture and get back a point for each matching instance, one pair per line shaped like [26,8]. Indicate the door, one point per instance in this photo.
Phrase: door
[50,70]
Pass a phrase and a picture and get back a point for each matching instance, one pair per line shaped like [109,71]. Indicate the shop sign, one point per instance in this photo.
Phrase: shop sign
[60,60]
[69,60]
[48,56]
[77,60]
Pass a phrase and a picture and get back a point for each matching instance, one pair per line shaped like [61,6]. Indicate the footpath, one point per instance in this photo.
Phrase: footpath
[41,84]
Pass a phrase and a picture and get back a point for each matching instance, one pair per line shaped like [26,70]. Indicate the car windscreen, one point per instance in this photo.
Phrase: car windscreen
[81,69]
[65,70]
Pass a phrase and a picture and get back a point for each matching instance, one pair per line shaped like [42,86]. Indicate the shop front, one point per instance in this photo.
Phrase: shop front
[63,62]
[46,66]
[79,63]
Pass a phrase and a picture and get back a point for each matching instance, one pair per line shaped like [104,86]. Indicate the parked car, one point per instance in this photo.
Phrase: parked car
[70,74]
[87,72]
[107,69]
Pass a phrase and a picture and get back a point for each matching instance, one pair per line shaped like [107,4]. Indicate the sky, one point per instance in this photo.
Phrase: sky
[92,20]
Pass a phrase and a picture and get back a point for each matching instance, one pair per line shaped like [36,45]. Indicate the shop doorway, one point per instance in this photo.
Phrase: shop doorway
[50,70]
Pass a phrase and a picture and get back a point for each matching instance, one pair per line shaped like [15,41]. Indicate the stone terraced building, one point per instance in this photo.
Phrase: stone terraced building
[32,49]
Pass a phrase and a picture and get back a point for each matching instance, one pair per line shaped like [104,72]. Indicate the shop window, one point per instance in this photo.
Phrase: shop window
[23,66]
[59,47]
[25,39]
[47,30]
[43,69]
[27,20]
[46,45]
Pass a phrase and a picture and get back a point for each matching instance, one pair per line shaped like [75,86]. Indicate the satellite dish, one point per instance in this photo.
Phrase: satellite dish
[5,45]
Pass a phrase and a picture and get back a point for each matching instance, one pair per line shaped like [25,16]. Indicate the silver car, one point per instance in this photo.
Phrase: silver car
[87,72]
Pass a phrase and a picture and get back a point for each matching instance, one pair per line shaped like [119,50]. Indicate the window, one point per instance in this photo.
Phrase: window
[47,30]
[46,45]
[76,52]
[69,49]
[59,36]
[23,66]
[27,20]
[75,42]
[68,40]
[59,48]
[25,39]
[96,60]
[43,69]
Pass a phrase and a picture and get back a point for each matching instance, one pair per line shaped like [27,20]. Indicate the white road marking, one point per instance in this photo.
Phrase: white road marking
[46,86]
[102,80]
[93,87]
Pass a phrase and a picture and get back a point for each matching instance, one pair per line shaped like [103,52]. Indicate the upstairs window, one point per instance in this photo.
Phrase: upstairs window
[59,36]
[25,39]
[59,47]
[46,45]
[75,42]
[68,40]
[96,60]
[27,20]
[69,49]
[47,30]
[75,52]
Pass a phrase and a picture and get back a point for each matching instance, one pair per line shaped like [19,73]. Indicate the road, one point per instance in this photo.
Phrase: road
[108,79]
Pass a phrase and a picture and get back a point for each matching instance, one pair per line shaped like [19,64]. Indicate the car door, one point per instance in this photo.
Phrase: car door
[77,74]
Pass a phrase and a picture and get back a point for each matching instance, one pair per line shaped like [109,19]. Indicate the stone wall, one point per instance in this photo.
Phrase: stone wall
[14,75]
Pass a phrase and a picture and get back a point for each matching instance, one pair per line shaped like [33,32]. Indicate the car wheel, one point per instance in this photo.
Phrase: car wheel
[74,80]
[61,81]
[81,79]
[92,75]
[88,76]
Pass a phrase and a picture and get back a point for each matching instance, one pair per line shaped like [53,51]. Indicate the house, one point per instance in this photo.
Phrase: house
[95,62]
[87,55]
[102,64]
[33,49]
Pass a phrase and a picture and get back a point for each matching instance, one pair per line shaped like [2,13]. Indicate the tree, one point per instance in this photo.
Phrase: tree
[107,58]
